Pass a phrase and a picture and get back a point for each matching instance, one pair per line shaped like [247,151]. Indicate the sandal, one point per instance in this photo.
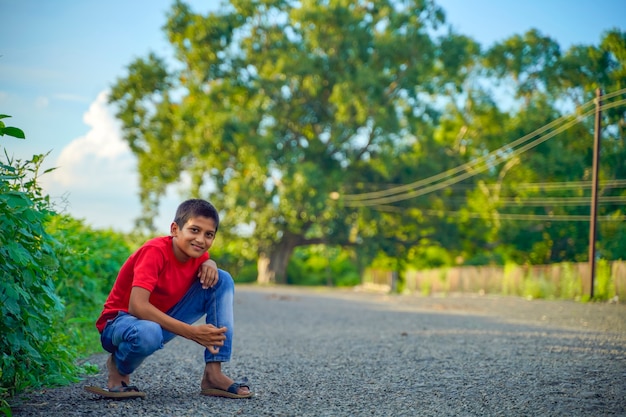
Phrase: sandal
[123,391]
[231,392]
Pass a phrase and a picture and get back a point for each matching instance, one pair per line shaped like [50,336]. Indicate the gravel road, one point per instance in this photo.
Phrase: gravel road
[319,352]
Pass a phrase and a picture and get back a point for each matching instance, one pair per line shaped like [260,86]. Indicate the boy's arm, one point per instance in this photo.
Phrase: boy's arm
[206,335]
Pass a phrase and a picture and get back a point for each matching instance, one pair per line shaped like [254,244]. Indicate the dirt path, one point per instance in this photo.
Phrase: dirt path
[318,352]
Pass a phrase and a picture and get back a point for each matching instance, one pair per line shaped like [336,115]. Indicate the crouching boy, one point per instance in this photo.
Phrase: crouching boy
[163,288]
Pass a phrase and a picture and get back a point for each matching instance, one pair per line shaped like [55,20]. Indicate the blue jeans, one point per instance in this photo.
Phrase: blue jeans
[132,340]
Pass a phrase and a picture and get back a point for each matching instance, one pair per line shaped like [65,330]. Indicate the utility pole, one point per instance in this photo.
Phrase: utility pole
[594,193]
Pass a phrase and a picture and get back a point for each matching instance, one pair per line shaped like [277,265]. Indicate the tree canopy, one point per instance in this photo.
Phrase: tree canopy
[291,117]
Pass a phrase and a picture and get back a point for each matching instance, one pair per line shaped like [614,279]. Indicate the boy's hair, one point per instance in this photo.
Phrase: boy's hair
[194,208]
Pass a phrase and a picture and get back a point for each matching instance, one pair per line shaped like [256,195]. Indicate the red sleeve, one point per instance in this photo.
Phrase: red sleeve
[149,263]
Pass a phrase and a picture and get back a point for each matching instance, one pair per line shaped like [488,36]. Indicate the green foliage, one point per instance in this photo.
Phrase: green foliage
[34,348]
[322,265]
[537,287]
[235,255]
[247,274]
[89,261]
[9,130]
[570,286]
[604,288]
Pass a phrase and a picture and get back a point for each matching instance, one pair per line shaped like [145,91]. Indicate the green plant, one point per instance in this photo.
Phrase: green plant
[604,285]
[345,273]
[570,283]
[30,311]
[537,285]
[322,265]
[508,279]
[10,130]
[426,288]
[89,261]
[234,255]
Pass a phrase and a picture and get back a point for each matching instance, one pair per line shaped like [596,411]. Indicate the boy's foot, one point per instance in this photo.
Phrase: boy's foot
[115,378]
[117,385]
[215,383]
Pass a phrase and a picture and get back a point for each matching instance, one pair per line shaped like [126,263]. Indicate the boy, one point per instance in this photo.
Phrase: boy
[161,290]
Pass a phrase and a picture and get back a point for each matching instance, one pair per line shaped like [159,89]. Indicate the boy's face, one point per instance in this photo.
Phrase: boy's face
[194,238]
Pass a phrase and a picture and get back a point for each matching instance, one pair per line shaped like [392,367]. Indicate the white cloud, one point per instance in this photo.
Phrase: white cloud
[41,102]
[96,173]
[99,156]
[96,176]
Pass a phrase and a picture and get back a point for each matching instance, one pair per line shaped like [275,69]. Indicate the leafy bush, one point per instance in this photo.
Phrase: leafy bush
[231,255]
[89,261]
[322,265]
[604,285]
[32,344]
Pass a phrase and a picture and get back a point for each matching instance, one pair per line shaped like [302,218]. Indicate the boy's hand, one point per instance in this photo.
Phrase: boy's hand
[208,274]
[209,336]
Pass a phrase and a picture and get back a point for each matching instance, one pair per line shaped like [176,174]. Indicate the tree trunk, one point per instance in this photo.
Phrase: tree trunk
[272,267]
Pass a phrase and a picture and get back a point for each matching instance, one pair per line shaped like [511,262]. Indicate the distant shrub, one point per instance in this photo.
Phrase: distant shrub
[232,257]
[322,265]
[89,261]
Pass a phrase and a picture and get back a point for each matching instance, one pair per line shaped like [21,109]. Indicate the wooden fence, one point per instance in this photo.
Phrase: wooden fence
[565,280]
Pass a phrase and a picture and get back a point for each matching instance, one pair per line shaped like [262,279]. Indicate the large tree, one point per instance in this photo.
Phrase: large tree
[275,104]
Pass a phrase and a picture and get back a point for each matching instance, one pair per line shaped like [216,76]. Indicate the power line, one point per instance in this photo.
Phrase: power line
[506,216]
[545,186]
[611,95]
[408,191]
[437,177]
[566,185]
[562,201]
[476,165]
[548,201]
[406,187]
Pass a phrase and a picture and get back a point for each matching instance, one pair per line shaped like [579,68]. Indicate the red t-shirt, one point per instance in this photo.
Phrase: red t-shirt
[153,267]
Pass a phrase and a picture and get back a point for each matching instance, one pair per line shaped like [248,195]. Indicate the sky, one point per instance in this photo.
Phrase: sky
[59,58]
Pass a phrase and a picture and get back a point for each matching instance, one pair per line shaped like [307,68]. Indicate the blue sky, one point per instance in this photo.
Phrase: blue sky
[58,58]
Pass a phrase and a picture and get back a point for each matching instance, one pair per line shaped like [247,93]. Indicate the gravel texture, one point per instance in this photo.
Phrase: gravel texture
[319,352]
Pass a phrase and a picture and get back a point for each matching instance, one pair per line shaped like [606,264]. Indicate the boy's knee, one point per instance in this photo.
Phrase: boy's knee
[148,339]
[226,279]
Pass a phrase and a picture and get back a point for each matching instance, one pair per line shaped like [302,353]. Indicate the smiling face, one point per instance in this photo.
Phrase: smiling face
[194,238]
